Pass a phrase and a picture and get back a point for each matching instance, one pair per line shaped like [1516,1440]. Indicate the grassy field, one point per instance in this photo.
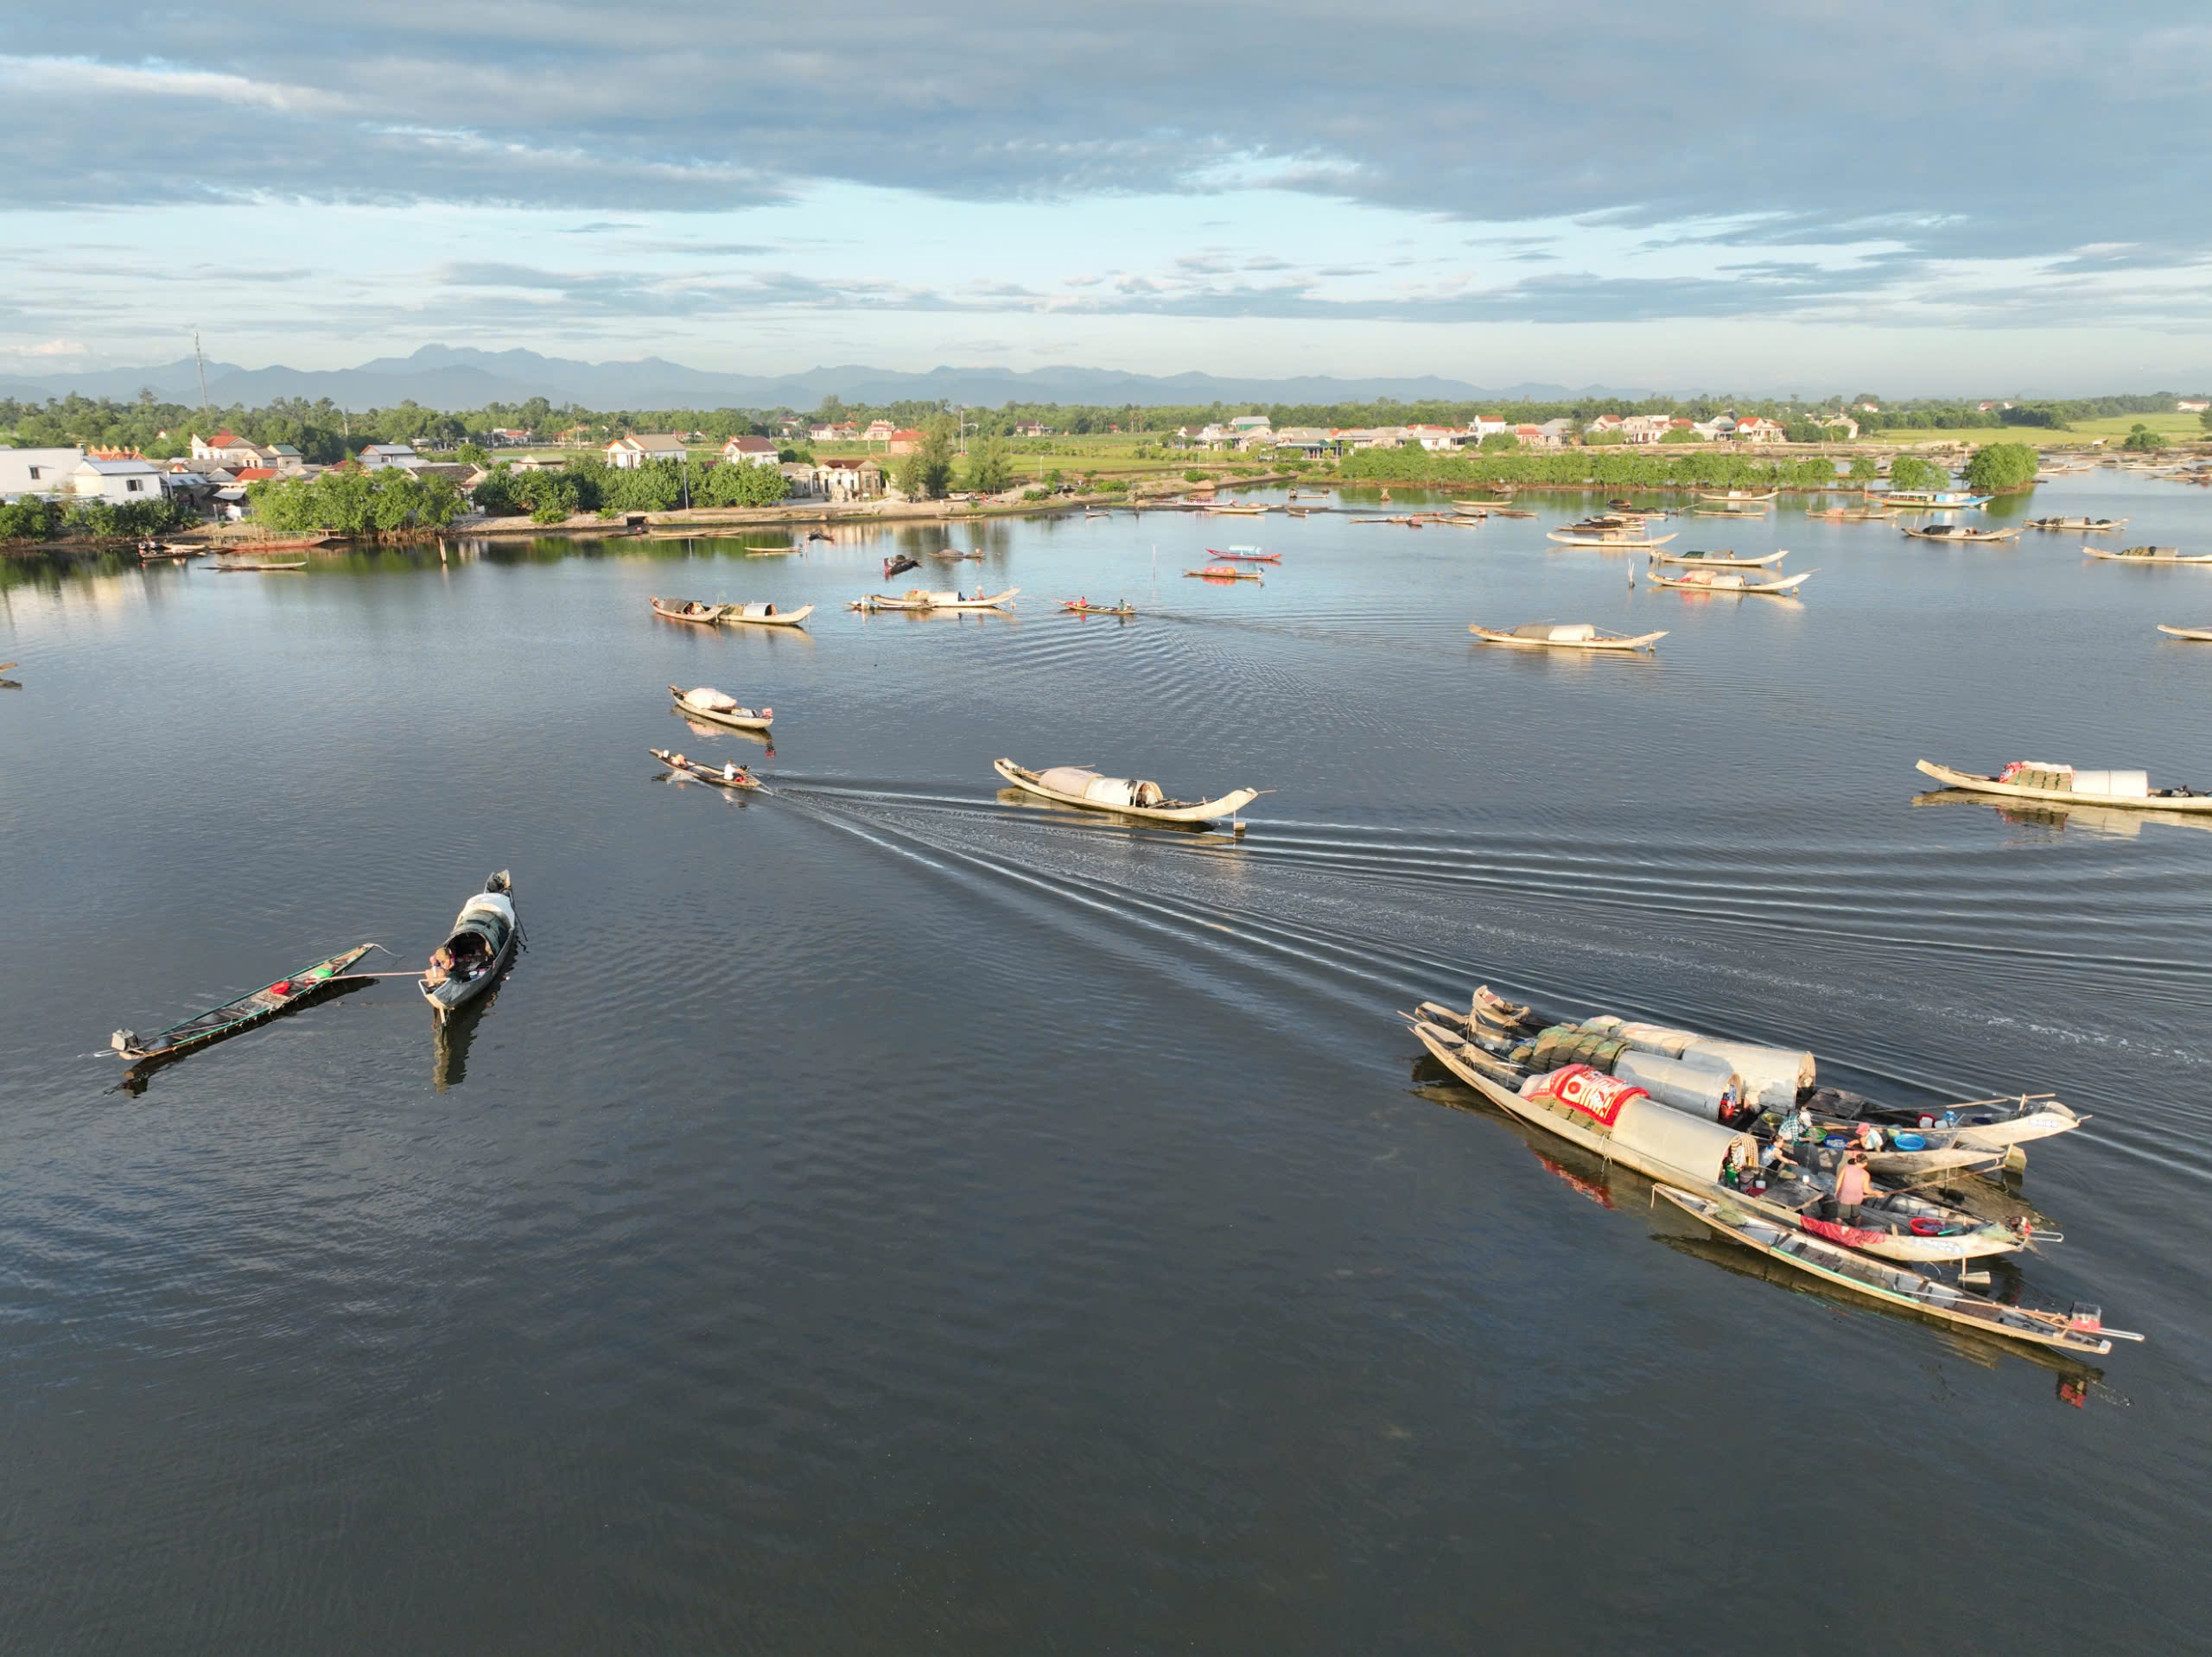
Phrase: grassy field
[2174,427]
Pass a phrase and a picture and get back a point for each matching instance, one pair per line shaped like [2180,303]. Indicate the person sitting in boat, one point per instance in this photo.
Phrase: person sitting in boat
[730,771]
[1867,1138]
[1776,1156]
[1741,1162]
[441,968]
[1798,1128]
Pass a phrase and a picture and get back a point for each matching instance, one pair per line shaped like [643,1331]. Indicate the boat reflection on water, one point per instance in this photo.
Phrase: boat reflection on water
[766,738]
[1613,1187]
[2113,821]
[451,1038]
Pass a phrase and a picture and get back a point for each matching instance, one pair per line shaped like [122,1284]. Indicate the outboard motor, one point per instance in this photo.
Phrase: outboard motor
[124,1040]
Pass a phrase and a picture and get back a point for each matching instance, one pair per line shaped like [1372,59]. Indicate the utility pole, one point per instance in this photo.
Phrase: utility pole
[199,357]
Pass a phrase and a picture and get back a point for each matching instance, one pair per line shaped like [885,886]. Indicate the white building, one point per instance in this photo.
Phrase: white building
[749,451]
[633,451]
[36,471]
[119,481]
[376,456]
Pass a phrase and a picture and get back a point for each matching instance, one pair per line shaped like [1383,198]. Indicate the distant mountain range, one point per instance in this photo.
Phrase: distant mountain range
[458,377]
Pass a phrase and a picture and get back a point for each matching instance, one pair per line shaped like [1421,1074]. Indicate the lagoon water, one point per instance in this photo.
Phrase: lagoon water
[878,1216]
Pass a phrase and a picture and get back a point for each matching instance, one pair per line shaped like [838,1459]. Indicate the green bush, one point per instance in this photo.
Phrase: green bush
[2140,436]
[384,501]
[1910,471]
[28,519]
[2001,468]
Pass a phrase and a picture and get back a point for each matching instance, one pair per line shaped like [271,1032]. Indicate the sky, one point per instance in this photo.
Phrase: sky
[1916,198]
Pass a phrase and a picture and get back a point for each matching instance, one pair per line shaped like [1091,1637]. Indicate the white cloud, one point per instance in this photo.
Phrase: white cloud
[79,77]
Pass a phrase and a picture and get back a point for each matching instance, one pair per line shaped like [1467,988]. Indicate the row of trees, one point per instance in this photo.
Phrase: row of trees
[36,517]
[590,485]
[1608,467]
[389,501]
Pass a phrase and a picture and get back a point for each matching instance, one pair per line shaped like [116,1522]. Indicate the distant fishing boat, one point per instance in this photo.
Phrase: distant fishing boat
[729,775]
[1719,560]
[1084,607]
[692,610]
[2033,780]
[917,599]
[1958,533]
[1929,500]
[708,703]
[1078,785]
[1223,573]
[2150,555]
[1713,581]
[1569,635]
[2089,525]
[2201,635]
[1245,555]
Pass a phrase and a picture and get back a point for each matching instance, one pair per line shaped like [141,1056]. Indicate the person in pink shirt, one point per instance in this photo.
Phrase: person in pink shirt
[1852,1184]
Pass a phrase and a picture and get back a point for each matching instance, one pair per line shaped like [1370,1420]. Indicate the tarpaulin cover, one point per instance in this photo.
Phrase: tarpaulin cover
[1599,1097]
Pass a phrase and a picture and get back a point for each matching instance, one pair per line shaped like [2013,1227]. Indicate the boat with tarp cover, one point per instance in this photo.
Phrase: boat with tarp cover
[921,599]
[1723,559]
[2079,1329]
[1719,581]
[719,707]
[1649,1096]
[1564,636]
[477,950]
[256,1007]
[2031,779]
[2149,556]
[1079,785]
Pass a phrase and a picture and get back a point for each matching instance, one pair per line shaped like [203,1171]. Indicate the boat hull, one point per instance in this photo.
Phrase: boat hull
[1975,784]
[737,720]
[1640,642]
[1205,811]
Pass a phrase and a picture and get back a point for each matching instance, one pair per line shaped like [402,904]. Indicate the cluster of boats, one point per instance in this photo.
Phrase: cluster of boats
[479,947]
[1884,1200]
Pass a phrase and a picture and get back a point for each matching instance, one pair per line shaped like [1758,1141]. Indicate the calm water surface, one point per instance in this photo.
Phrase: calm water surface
[881,1216]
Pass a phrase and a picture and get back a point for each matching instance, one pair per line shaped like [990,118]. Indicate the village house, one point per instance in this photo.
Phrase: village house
[635,448]
[509,437]
[904,441]
[800,482]
[842,432]
[1757,429]
[117,481]
[1834,424]
[225,446]
[1484,426]
[1603,424]
[848,479]
[2184,406]
[1032,429]
[1551,434]
[577,437]
[376,456]
[1643,428]
[750,450]
[1312,442]
[36,471]
[878,431]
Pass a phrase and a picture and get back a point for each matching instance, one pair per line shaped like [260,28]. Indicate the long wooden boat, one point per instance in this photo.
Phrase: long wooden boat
[2152,799]
[1078,785]
[2201,635]
[1958,533]
[731,775]
[153,552]
[1739,496]
[1224,573]
[479,949]
[291,543]
[2090,525]
[738,719]
[1929,500]
[692,610]
[1245,555]
[1238,509]
[1739,512]
[917,599]
[203,1029]
[1579,635]
[1651,1134]
[222,567]
[2149,556]
[764,615]
[1084,607]
[1619,543]
[1720,559]
[1706,580]
[2079,1331]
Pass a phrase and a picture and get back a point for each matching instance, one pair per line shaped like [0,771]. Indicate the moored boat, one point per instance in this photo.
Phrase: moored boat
[764,615]
[1929,500]
[918,599]
[728,774]
[1224,573]
[2031,780]
[1719,560]
[2090,525]
[708,703]
[1245,555]
[1078,785]
[694,610]
[481,944]
[2201,635]
[1621,540]
[1713,581]
[2149,556]
[1570,636]
[1956,532]
[2080,1330]
[256,1007]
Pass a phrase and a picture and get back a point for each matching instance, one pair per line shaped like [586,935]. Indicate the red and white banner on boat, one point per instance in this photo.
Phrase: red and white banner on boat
[1595,1095]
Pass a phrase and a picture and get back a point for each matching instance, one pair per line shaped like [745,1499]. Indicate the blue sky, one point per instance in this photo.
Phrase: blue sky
[1914,198]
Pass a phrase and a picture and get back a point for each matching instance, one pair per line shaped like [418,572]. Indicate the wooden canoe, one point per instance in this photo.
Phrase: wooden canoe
[1738,496]
[1183,811]
[1623,543]
[1892,1285]
[1975,783]
[707,615]
[1780,587]
[1245,555]
[1078,608]
[2149,556]
[1956,532]
[217,1023]
[736,615]
[2201,635]
[1240,509]
[1719,560]
[1223,573]
[917,600]
[2079,525]
[735,777]
[239,568]
[1604,641]
[738,719]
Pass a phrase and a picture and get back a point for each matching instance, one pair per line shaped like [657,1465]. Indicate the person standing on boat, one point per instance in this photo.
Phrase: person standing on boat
[1852,1184]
